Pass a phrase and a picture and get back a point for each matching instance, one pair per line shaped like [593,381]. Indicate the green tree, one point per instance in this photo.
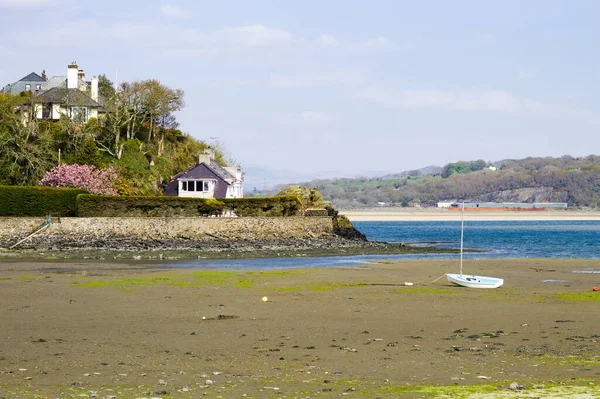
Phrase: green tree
[88,154]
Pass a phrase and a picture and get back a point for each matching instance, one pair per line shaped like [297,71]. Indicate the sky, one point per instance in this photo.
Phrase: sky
[340,87]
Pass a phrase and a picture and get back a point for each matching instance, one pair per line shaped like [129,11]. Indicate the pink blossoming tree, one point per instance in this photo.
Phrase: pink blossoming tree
[86,177]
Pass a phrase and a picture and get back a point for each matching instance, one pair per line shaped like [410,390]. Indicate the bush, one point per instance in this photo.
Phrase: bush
[309,198]
[38,201]
[102,206]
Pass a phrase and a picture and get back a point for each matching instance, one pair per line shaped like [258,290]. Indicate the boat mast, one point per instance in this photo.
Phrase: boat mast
[462,228]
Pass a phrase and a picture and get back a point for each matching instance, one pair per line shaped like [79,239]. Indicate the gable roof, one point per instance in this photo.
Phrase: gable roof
[60,95]
[213,167]
[221,171]
[32,77]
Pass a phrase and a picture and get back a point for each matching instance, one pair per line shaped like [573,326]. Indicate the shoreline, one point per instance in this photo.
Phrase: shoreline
[434,215]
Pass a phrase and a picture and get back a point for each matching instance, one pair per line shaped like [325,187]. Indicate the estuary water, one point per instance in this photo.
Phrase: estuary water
[499,239]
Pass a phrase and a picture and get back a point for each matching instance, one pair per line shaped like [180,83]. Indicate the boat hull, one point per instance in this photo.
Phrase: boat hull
[471,281]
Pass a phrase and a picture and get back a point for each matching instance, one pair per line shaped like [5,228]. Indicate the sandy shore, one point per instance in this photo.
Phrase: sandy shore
[442,214]
[102,330]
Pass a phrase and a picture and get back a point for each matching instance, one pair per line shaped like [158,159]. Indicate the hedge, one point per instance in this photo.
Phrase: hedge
[108,206]
[38,201]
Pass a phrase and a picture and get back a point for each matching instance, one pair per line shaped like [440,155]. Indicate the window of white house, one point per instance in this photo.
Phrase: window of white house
[27,87]
[79,114]
[38,87]
[196,185]
[47,111]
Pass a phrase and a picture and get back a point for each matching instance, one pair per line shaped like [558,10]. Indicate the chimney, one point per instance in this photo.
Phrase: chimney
[206,156]
[44,75]
[234,171]
[81,74]
[94,93]
[72,82]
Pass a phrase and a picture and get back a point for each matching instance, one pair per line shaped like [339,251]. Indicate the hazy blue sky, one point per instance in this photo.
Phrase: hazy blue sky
[346,86]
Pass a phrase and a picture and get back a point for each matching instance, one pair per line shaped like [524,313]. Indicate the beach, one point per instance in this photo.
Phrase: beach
[440,214]
[132,330]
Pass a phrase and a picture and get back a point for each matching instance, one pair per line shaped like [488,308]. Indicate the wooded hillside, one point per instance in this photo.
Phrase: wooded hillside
[565,179]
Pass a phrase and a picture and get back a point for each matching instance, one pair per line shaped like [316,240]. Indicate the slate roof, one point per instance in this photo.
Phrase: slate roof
[221,171]
[32,77]
[61,81]
[59,95]
[214,167]
[17,87]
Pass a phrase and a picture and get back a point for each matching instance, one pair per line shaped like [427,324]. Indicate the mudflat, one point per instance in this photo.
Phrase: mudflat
[133,330]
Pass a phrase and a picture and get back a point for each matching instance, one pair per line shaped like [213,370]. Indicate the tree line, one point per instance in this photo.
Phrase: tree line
[565,179]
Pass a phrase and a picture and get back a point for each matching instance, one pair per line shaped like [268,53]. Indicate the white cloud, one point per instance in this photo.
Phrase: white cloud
[317,116]
[254,36]
[337,78]
[23,3]
[327,41]
[174,41]
[523,75]
[174,12]
[486,37]
[380,43]
[470,100]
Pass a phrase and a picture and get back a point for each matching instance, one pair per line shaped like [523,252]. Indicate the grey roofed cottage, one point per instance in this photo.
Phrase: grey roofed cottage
[207,179]
[58,101]
[32,82]
[68,95]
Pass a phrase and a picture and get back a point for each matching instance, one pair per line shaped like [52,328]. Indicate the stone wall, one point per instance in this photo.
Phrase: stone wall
[186,228]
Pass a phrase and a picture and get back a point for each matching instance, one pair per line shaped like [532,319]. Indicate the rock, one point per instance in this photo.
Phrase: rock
[515,386]
[208,382]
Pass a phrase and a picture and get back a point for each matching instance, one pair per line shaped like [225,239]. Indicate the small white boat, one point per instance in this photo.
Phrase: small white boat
[475,281]
[471,281]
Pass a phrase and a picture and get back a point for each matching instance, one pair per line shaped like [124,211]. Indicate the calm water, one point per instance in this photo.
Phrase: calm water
[510,239]
[505,239]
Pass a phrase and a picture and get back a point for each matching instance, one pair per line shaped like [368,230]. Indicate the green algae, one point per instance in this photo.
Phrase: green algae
[583,296]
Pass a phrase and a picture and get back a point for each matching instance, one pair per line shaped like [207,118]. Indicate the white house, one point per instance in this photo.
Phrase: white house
[207,179]
[68,95]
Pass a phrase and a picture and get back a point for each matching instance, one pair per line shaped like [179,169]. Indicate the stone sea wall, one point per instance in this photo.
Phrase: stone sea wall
[13,229]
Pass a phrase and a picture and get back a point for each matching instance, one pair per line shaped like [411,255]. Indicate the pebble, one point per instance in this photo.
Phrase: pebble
[515,386]
[208,382]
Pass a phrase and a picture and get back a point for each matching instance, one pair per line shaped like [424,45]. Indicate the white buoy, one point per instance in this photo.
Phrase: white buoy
[265,299]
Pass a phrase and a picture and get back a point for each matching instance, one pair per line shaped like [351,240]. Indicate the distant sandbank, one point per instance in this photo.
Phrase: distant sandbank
[413,214]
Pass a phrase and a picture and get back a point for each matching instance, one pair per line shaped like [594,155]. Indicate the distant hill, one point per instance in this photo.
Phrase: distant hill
[565,179]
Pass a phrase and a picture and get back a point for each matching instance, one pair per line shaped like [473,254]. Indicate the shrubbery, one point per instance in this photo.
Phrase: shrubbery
[38,201]
[103,206]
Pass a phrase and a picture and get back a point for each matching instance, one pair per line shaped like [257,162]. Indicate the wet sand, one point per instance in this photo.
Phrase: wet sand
[383,214]
[118,329]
